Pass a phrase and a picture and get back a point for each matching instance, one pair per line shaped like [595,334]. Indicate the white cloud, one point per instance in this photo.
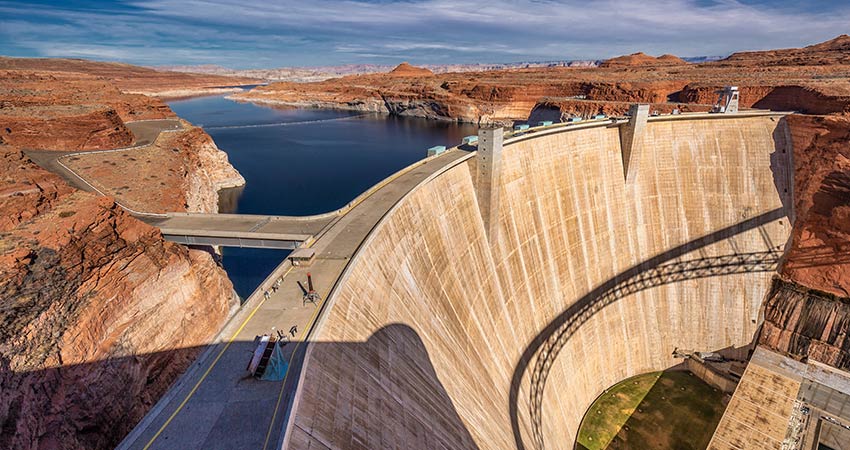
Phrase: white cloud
[335,31]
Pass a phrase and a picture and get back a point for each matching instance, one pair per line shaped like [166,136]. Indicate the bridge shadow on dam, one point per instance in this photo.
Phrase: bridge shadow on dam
[662,269]
[95,405]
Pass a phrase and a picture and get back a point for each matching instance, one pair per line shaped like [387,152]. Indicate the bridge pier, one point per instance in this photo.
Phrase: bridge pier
[489,169]
[631,139]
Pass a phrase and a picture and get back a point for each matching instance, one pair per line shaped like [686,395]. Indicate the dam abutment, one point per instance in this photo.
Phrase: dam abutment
[571,280]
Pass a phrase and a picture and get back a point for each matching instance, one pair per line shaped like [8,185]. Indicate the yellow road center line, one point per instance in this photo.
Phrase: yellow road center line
[209,369]
[282,385]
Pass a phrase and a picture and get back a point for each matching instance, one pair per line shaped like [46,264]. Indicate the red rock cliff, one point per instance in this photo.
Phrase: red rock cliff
[819,254]
[807,324]
[99,314]
[807,311]
[811,79]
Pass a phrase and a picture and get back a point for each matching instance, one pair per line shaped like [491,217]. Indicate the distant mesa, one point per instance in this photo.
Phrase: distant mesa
[829,53]
[642,59]
[406,70]
[841,42]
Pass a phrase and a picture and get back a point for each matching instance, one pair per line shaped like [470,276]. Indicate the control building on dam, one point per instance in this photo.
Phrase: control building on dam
[494,302]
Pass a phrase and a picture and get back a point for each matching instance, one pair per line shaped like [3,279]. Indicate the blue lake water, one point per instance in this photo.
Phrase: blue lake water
[305,161]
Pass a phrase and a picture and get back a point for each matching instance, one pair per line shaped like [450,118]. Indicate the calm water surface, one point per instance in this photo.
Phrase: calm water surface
[305,161]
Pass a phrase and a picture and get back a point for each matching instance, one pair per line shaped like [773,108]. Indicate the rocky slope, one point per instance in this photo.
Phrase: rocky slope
[819,255]
[812,79]
[807,324]
[129,78]
[642,59]
[69,111]
[98,314]
[406,70]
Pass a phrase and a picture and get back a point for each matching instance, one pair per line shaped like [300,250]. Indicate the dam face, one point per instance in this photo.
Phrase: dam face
[443,335]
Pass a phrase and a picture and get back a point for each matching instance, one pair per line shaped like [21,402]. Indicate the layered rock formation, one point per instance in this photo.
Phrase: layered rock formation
[406,70]
[129,78]
[807,311]
[180,171]
[811,79]
[99,317]
[807,324]
[642,59]
[98,314]
[819,254]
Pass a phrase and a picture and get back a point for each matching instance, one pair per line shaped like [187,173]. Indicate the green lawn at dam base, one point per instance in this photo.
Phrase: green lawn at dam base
[657,410]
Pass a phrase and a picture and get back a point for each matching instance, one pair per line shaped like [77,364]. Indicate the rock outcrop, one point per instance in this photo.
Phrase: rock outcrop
[406,70]
[207,168]
[807,324]
[27,191]
[98,313]
[640,59]
[128,78]
[819,254]
[811,79]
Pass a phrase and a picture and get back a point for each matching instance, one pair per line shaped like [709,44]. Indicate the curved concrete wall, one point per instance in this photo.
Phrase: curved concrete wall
[440,337]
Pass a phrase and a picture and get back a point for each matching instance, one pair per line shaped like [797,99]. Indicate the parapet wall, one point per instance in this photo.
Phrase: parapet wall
[438,337]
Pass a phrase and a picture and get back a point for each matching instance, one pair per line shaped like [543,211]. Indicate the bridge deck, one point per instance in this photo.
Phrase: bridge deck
[239,230]
[215,405]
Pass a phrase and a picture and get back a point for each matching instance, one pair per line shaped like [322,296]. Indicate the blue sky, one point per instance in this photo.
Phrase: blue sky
[272,33]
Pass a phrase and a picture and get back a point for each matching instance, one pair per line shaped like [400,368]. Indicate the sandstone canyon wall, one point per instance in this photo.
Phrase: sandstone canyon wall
[811,80]
[807,311]
[98,314]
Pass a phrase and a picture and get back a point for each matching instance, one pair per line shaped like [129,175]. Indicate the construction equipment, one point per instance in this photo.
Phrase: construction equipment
[267,362]
[309,294]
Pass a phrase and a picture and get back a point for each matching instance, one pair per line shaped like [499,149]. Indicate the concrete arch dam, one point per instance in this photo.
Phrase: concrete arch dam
[499,298]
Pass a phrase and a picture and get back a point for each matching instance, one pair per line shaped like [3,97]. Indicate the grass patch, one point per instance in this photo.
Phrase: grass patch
[612,409]
[660,410]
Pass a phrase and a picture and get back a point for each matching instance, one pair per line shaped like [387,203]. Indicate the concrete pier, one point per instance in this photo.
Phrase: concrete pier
[489,169]
[631,139]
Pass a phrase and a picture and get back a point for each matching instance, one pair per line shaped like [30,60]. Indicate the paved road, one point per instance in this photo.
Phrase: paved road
[215,405]
[145,133]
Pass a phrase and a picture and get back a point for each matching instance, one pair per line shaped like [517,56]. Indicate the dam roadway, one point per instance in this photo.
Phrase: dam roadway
[431,312]
[215,405]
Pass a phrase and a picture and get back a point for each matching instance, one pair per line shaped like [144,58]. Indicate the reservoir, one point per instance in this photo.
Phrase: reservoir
[299,162]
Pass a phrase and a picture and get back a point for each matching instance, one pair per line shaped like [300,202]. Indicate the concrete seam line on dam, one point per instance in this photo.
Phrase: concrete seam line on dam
[321,323]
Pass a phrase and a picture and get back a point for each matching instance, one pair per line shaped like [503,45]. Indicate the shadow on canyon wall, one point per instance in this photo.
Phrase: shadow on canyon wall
[800,99]
[94,405]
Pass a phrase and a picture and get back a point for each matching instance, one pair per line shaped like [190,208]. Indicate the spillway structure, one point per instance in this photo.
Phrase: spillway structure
[500,297]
